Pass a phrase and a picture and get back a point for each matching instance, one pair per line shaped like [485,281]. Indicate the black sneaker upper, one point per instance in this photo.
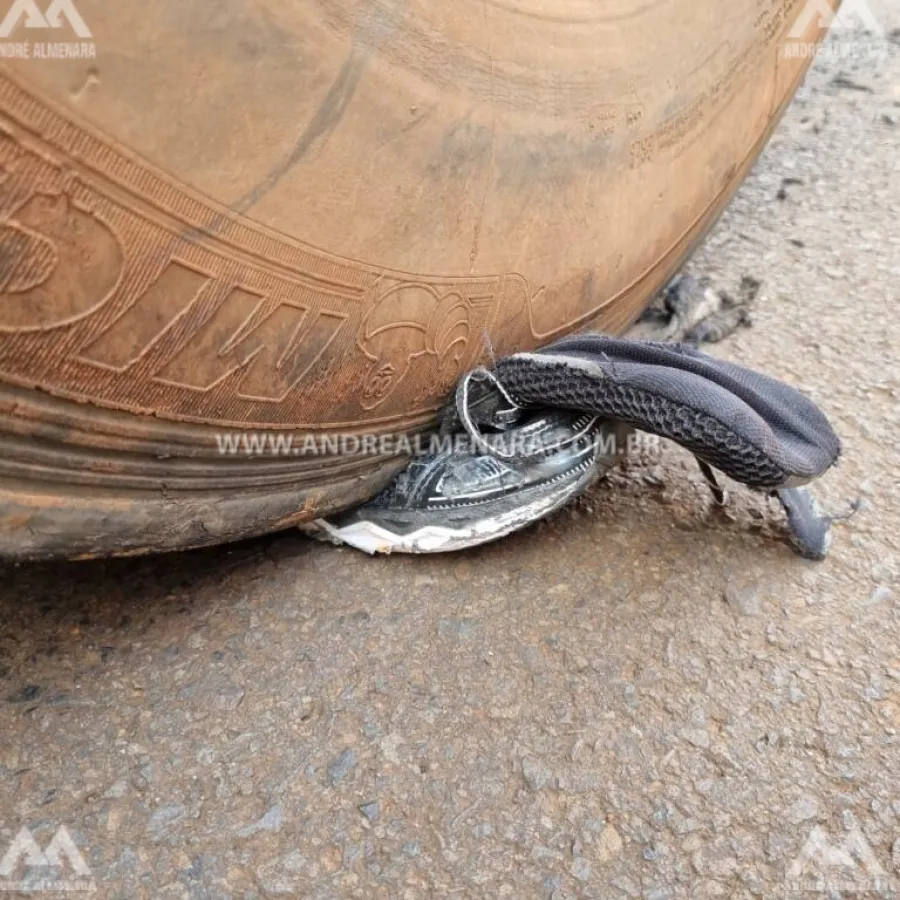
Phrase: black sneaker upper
[753,428]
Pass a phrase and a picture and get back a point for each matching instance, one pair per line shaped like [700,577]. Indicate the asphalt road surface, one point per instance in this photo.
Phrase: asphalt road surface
[645,697]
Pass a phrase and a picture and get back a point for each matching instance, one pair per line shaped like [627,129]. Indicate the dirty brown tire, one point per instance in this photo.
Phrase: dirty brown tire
[264,219]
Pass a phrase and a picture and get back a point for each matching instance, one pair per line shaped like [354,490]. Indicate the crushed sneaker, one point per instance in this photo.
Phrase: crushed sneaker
[513,468]
[753,428]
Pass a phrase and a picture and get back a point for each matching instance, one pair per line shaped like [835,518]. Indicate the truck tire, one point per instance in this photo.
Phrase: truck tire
[236,239]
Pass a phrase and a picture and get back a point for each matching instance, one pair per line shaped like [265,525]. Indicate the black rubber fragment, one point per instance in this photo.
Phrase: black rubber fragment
[810,531]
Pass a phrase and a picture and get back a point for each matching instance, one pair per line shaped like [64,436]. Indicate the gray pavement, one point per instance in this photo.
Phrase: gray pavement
[645,697]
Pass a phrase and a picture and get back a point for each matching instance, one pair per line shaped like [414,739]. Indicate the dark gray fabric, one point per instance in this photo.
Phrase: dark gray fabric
[753,428]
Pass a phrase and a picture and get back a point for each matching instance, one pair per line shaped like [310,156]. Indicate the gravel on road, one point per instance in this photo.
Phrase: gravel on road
[646,697]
